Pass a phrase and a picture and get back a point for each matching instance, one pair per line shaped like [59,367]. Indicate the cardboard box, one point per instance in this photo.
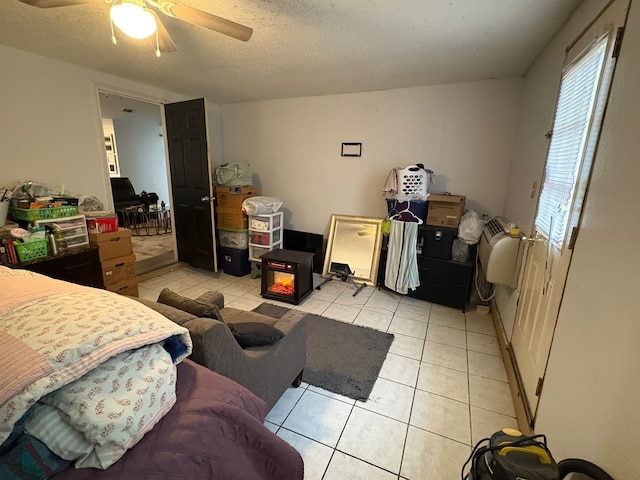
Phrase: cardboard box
[232,196]
[102,224]
[445,210]
[231,218]
[112,244]
[118,270]
[128,287]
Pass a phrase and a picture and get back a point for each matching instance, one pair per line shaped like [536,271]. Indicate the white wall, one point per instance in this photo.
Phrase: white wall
[50,126]
[589,405]
[463,132]
[141,152]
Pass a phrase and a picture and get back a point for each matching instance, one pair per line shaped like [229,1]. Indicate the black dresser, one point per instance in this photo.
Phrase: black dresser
[442,280]
[82,267]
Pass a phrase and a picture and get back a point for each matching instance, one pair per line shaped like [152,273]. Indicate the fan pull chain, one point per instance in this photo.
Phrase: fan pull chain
[157,44]
[113,34]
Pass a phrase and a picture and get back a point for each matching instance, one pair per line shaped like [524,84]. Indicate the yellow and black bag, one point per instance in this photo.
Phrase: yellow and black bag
[509,455]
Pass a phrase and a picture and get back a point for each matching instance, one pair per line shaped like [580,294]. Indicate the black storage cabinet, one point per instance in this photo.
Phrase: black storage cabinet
[81,267]
[235,261]
[444,281]
[435,241]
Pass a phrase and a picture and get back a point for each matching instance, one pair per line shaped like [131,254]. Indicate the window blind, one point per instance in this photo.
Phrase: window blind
[574,112]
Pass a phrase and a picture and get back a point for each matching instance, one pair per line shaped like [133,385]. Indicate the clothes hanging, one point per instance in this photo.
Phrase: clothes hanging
[401,274]
[390,188]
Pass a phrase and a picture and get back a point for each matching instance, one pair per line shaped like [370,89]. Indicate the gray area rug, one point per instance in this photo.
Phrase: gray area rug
[341,357]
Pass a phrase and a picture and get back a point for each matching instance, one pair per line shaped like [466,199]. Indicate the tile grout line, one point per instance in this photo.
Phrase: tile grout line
[338,441]
[468,383]
[406,434]
[292,408]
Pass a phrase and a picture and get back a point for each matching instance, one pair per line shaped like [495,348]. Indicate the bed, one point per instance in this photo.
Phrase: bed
[96,385]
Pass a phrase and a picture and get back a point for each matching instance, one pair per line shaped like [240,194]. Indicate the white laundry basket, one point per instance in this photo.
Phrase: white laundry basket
[413,183]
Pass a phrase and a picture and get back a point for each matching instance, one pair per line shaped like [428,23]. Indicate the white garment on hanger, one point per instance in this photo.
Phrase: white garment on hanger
[401,274]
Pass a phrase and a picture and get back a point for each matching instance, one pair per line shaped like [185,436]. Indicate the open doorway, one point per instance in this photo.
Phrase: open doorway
[135,150]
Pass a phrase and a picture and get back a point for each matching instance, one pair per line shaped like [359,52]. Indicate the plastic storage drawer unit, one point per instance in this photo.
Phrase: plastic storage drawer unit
[265,234]
[73,230]
[266,221]
[255,252]
[265,238]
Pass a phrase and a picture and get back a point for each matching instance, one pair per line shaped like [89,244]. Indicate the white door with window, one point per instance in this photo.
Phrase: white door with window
[579,113]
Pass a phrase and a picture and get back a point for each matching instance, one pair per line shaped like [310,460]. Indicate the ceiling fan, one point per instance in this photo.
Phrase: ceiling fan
[139,19]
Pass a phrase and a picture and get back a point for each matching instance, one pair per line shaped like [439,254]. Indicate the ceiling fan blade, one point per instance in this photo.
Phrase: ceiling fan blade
[165,43]
[204,19]
[63,3]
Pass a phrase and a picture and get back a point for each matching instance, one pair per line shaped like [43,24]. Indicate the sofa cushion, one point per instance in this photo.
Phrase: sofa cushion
[194,307]
[254,334]
[212,298]
[235,315]
[174,314]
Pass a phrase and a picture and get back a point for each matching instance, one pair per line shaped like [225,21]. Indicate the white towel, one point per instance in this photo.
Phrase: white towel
[401,274]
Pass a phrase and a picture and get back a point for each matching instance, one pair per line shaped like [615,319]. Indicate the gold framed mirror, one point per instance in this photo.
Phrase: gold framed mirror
[355,241]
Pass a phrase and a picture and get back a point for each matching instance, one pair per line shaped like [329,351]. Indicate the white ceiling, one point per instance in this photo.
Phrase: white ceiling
[303,47]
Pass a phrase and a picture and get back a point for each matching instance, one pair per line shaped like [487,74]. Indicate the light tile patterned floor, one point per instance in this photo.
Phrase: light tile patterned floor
[441,389]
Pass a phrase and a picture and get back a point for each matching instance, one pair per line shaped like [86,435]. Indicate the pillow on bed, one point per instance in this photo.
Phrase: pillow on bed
[254,334]
[95,419]
[194,307]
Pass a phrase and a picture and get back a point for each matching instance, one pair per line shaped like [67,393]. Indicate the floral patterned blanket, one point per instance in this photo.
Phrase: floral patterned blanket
[56,334]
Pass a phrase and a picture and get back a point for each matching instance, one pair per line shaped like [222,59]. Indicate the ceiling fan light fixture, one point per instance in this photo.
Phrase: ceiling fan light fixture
[134,20]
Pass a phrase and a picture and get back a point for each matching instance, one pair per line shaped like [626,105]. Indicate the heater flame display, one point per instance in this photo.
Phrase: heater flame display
[283,283]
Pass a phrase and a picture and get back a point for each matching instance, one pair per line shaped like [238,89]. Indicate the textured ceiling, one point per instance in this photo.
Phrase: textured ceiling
[303,47]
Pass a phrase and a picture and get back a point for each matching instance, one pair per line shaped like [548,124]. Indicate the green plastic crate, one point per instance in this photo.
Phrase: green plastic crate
[33,214]
[31,250]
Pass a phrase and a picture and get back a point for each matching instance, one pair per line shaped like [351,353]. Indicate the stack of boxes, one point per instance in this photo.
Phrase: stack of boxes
[117,260]
[232,226]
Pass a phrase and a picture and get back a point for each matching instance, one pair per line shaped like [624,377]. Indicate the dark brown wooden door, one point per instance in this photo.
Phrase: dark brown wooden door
[191,183]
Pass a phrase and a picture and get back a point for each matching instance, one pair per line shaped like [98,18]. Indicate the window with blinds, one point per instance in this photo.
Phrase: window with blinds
[571,149]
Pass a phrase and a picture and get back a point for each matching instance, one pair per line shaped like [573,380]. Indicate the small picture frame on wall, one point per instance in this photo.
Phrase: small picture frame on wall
[351,149]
